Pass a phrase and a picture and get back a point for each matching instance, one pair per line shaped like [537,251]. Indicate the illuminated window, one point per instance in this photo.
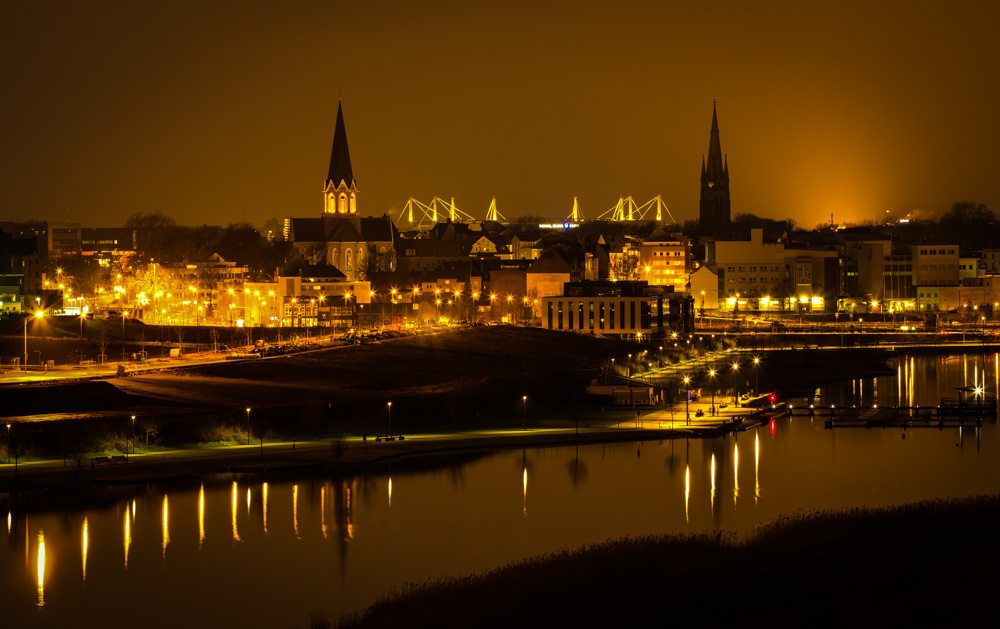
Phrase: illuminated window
[342,206]
[330,203]
[354,207]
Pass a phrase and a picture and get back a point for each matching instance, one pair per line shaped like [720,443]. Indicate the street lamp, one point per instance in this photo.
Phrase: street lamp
[711,374]
[736,386]
[37,315]
[756,380]
[687,400]
[80,349]
[133,437]
[248,425]
[390,418]
[524,411]
[9,448]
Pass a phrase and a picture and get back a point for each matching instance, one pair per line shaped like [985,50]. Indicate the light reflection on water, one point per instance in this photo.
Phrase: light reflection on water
[41,568]
[458,519]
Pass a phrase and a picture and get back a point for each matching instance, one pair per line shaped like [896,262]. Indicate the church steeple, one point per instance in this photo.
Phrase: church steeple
[340,191]
[714,207]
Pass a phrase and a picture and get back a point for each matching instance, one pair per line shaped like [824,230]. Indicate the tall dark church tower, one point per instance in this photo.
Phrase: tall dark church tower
[714,207]
[340,194]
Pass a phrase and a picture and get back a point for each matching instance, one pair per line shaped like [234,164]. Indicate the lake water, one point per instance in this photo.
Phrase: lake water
[239,551]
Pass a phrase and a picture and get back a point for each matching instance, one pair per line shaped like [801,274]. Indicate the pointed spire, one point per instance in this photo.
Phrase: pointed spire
[714,169]
[725,168]
[703,173]
[340,156]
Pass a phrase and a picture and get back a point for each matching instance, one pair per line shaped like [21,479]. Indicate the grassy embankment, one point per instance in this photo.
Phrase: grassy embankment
[928,564]
[458,380]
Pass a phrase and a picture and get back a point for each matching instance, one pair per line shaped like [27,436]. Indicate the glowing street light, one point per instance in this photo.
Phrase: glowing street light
[37,315]
[390,418]
[248,425]
[687,400]
[133,437]
[524,411]
[711,374]
[736,386]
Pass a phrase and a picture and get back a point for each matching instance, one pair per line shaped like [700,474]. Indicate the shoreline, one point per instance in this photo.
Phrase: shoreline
[353,454]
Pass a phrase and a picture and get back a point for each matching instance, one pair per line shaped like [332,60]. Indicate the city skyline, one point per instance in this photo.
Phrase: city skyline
[226,113]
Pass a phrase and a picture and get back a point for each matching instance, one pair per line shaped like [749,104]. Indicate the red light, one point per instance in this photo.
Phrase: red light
[772,397]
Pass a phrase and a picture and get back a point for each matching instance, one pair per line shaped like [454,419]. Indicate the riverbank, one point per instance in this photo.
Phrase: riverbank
[347,454]
[874,567]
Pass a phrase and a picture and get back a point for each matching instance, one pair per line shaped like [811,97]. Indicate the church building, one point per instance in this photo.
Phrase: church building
[340,237]
[714,213]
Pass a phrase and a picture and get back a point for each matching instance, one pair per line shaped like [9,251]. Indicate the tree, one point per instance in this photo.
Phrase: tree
[153,230]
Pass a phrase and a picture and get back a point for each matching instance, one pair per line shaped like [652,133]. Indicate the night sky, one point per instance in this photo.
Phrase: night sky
[215,112]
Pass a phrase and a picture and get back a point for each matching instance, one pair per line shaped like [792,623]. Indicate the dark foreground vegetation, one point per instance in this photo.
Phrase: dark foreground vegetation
[927,564]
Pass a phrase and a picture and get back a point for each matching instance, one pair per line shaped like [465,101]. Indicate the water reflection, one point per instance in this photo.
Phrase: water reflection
[381,545]
[687,493]
[83,548]
[712,497]
[263,491]
[236,500]
[390,491]
[322,509]
[736,472]
[524,507]
[166,526]
[201,516]
[127,537]
[41,568]
[756,466]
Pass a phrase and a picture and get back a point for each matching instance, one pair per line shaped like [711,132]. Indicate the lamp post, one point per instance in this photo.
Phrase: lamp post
[390,418]
[524,411]
[124,316]
[133,437]
[687,400]
[756,379]
[736,385]
[711,374]
[36,315]
[9,448]
[248,425]
[80,349]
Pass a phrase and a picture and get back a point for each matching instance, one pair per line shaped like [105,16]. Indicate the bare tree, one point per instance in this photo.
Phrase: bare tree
[102,343]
